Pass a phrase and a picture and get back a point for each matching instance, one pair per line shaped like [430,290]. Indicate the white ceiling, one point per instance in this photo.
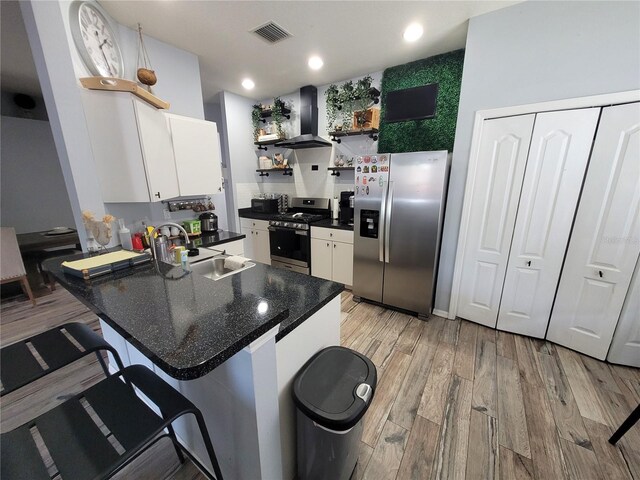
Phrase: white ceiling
[353,38]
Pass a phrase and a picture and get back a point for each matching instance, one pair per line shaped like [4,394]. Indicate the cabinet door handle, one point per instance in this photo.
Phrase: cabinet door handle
[600,273]
[529,263]
[334,245]
[256,233]
[327,244]
[331,234]
[157,194]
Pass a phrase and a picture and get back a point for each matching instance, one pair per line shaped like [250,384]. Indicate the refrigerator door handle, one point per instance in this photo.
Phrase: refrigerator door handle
[387,223]
[383,212]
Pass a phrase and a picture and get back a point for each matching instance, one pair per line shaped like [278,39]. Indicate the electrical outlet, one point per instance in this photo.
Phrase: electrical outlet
[167,214]
[314,167]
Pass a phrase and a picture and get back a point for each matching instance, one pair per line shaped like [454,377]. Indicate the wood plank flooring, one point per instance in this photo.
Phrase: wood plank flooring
[454,399]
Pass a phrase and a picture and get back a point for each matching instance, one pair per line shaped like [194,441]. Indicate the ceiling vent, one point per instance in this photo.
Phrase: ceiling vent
[271,32]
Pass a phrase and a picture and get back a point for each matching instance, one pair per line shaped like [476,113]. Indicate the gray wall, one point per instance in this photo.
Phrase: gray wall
[33,194]
[535,52]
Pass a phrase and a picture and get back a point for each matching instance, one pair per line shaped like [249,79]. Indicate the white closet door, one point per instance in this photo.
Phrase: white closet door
[625,348]
[558,157]
[494,200]
[604,244]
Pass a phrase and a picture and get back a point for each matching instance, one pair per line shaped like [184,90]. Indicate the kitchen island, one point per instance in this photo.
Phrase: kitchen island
[232,346]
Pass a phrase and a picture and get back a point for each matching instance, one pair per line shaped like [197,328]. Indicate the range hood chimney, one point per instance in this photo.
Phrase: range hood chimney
[308,137]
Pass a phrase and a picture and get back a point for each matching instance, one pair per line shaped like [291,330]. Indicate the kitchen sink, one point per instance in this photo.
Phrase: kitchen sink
[215,269]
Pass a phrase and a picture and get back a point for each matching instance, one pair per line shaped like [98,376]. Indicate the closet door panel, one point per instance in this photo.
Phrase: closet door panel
[494,201]
[625,347]
[558,157]
[605,241]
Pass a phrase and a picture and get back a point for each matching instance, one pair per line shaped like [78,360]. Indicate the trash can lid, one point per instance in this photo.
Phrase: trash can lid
[335,387]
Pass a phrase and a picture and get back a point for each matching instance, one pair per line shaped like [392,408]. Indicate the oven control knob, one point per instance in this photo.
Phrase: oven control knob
[286,224]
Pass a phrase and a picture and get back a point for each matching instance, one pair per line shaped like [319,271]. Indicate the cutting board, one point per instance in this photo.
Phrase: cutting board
[101,264]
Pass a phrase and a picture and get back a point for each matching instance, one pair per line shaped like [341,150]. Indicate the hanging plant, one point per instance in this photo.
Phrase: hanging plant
[256,117]
[363,99]
[277,115]
[347,97]
[333,105]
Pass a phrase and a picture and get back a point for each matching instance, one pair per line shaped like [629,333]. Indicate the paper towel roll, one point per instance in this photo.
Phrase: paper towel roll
[235,262]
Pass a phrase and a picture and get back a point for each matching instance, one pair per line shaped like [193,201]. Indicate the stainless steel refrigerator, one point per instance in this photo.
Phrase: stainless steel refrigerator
[399,211]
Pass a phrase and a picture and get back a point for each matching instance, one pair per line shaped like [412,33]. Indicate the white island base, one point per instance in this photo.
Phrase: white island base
[246,401]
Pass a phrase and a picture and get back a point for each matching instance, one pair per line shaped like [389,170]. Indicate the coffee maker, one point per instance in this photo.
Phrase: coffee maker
[346,207]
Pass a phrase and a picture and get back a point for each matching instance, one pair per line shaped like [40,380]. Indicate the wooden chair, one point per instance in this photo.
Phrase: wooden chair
[11,265]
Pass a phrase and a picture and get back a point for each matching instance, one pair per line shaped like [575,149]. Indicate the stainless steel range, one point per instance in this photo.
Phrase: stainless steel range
[289,237]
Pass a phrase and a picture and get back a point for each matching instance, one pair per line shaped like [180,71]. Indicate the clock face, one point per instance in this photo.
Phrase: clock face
[95,40]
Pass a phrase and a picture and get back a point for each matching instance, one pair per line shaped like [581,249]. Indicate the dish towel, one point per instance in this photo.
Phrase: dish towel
[235,262]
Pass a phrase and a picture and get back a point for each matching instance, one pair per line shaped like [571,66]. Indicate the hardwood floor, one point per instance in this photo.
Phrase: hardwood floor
[454,399]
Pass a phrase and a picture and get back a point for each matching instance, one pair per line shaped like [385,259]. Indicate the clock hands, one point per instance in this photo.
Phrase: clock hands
[106,61]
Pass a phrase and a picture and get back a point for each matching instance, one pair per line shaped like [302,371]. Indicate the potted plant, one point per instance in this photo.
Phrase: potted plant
[277,115]
[256,116]
[363,99]
[333,105]
[347,97]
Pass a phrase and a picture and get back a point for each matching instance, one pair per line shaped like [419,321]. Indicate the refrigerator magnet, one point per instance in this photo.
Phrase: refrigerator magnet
[383,159]
[365,169]
[374,159]
[359,160]
[381,181]
[364,180]
[367,190]
[359,169]
[374,168]
[367,159]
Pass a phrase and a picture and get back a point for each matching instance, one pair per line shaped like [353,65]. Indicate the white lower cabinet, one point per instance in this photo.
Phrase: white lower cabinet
[256,245]
[332,254]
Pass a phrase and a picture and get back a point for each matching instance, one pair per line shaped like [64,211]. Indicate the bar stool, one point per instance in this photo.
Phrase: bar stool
[80,449]
[28,360]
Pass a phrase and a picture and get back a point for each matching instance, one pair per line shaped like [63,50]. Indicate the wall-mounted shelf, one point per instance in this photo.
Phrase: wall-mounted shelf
[370,132]
[335,171]
[263,145]
[264,172]
[374,95]
[198,204]
[286,112]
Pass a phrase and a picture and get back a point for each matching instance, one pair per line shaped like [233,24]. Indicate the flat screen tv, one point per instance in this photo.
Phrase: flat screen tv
[411,103]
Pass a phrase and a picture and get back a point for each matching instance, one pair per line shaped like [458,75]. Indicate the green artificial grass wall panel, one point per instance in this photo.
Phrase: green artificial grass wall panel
[430,134]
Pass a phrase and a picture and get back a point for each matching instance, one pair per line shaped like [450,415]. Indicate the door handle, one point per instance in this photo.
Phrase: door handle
[387,226]
[157,194]
[383,213]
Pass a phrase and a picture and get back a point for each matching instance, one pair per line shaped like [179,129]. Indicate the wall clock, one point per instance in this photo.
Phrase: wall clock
[95,40]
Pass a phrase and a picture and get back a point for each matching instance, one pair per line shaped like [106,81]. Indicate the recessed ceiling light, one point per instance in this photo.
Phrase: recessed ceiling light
[315,63]
[248,83]
[413,32]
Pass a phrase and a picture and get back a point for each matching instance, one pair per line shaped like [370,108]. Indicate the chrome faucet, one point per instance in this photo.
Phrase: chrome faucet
[168,224]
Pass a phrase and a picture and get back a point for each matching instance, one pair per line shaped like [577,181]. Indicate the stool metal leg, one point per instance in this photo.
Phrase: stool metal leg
[626,425]
[102,364]
[207,443]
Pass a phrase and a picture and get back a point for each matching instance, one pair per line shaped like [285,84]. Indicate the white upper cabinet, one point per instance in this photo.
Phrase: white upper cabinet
[494,195]
[558,157]
[604,245]
[131,146]
[196,149]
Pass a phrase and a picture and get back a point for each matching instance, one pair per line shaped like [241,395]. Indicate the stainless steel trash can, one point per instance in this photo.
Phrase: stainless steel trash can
[332,392]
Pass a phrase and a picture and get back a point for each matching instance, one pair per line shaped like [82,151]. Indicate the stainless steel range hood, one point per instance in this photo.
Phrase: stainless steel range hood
[308,137]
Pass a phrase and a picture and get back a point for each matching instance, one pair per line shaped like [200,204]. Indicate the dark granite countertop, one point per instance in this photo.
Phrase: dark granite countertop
[190,325]
[329,223]
[211,239]
[247,213]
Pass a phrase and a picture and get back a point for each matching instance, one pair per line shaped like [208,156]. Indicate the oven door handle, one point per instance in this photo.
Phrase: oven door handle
[304,233]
